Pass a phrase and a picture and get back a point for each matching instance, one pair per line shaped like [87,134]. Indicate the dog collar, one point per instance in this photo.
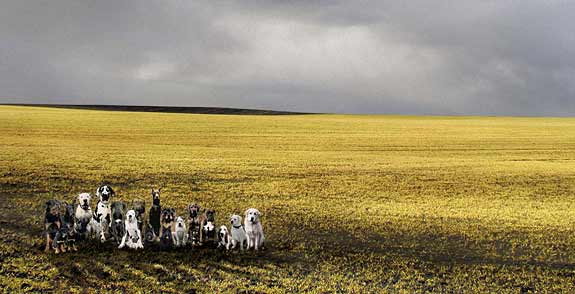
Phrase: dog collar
[238,227]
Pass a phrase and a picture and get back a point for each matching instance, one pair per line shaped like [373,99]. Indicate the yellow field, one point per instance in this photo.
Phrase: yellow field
[350,203]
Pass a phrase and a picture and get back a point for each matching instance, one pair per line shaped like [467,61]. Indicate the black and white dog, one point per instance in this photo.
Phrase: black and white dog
[103,212]
[194,226]
[117,227]
[85,224]
[155,213]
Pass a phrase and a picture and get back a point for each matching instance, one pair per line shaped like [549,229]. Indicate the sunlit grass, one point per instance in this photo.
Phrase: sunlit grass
[350,203]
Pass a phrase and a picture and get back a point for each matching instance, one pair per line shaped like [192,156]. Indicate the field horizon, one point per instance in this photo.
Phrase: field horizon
[350,203]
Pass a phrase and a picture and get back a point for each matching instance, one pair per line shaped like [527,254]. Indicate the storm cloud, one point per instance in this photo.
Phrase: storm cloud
[488,57]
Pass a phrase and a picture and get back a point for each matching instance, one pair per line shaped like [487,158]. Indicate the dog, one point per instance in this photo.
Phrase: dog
[68,229]
[103,212]
[52,224]
[194,226]
[180,234]
[166,236]
[224,238]
[238,232]
[132,236]
[84,216]
[117,226]
[254,230]
[149,236]
[207,221]
[155,212]
[139,206]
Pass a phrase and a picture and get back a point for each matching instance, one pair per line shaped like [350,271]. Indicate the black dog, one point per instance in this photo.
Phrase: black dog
[117,228]
[52,224]
[166,237]
[194,226]
[155,212]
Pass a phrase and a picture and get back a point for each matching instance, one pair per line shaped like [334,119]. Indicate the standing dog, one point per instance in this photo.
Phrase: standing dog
[84,216]
[194,226]
[207,223]
[238,232]
[117,227]
[132,236]
[180,234]
[103,212]
[155,212]
[52,224]
[224,238]
[166,236]
[254,230]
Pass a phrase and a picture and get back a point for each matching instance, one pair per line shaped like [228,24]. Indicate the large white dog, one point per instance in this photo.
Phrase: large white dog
[254,230]
[133,237]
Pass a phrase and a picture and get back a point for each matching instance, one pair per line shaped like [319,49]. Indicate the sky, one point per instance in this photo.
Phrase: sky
[451,57]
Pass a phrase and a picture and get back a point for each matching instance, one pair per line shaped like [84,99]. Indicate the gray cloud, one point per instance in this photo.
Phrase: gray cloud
[423,57]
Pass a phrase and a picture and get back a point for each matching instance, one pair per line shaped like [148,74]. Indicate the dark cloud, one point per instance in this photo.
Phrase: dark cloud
[424,57]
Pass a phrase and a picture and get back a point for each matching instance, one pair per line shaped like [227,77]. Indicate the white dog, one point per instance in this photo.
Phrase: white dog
[133,237]
[254,230]
[181,234]
[85,224]
[238,232]
[224,238]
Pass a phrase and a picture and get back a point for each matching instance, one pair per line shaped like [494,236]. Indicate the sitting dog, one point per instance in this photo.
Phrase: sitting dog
[224,238]
[194,226]
[207,223]
[68,229]
[180,234]
[52,224]
[254,230]
[132,236]
[238,232]
[155,212]
[149,236]
[103,212]
[117,226]
[84,216]
[166,236]
[139,206]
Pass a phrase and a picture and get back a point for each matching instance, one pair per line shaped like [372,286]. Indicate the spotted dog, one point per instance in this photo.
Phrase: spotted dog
[155,213]
[166,237]
[85,224]
[132,236]
[194,226]
[52,224]
[117,226]
[208,229]
[254,230]
[103,212]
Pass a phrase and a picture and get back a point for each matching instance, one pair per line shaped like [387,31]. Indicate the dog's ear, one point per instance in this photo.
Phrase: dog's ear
[159,189]
[112,191]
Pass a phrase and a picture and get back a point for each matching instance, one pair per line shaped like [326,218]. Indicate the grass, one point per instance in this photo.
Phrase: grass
[359,204]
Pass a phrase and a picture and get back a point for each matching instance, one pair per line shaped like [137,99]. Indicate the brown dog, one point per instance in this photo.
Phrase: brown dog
[194,226]
[52,223]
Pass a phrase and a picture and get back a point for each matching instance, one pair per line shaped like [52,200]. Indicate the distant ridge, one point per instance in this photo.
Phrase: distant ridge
[168,109]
